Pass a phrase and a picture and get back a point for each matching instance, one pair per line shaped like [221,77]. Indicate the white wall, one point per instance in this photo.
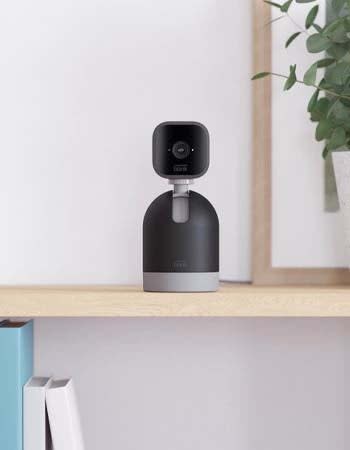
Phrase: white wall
[83,83]
[184,384]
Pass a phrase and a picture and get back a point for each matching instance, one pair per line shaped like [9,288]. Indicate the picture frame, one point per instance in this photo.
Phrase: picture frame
[263,271]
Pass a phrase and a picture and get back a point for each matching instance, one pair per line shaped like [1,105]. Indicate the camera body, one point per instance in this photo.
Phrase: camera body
[180,227]
[180,150]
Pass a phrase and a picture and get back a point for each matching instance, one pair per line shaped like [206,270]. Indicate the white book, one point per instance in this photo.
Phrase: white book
[36,435]
[64,419]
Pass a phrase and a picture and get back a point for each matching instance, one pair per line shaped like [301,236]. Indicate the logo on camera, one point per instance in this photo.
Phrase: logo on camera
[180,168]
[180,264]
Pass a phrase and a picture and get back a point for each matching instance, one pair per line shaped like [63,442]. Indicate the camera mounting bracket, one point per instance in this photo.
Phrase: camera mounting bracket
[181,186]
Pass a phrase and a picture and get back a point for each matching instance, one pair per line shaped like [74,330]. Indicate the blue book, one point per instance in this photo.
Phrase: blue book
[16,367]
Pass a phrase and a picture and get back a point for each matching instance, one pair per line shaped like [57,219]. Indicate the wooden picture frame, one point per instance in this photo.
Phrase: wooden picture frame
[262,271]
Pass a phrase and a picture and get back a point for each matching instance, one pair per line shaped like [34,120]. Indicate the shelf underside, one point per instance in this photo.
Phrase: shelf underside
[232,300]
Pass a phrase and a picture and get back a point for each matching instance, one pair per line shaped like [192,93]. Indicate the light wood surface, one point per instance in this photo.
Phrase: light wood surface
[263,272]
[232,300]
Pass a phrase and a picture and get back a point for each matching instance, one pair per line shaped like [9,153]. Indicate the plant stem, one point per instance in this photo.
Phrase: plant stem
[296,24]
[334,94]
[276,19]
[270,22]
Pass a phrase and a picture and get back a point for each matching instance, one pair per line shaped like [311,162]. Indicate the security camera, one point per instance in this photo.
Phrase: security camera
[180,227]
[180,150]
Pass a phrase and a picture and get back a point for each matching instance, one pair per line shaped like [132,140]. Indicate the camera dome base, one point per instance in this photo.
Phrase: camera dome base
[181,255]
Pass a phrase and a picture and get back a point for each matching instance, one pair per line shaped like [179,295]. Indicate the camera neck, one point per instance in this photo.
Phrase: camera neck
[181,187]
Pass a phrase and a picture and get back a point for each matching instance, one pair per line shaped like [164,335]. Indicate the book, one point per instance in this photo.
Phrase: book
[16,367]
[36,434]
[63,413]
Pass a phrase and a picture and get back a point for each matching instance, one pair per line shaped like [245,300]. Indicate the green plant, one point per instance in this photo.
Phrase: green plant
[330,111]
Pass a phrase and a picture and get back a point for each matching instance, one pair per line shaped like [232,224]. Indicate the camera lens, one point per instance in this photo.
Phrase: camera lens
[181,150]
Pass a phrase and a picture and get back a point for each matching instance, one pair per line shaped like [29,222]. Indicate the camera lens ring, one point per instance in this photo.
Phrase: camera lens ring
[181,150]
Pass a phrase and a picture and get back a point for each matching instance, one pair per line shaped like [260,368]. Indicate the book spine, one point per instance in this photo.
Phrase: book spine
[16,367]
[35,426]
[64,417]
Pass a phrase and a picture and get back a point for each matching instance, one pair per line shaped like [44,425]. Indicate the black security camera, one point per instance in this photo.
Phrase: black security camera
[180,227]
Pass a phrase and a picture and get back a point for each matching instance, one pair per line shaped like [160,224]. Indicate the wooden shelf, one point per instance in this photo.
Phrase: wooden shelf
[232,300]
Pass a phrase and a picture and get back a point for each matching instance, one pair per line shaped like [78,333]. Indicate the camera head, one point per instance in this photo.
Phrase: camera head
[180,150]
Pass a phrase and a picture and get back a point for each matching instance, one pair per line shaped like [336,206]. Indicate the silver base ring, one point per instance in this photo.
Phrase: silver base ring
[180,282]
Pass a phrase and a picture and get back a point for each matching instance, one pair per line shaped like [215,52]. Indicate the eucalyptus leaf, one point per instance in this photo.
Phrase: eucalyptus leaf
[285,7]
[336,31]
[310,18]
[276,5]
[323,130]
[260,75]
[325,62]
[320,110]
[338,34]
[333,25]
[338,74]
[339,114]
[337,139]
[323,84]
[325,152]
[346,58]
[323,105]
[292,79]
[338,5]
[332,111]
[313,100]
[317,27]
[346,102]
[337,51]
[347,23]
[292,38]
[310,75]
[317,43]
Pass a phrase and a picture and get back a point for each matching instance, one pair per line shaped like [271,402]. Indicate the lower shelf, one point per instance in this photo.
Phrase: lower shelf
[232,300]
